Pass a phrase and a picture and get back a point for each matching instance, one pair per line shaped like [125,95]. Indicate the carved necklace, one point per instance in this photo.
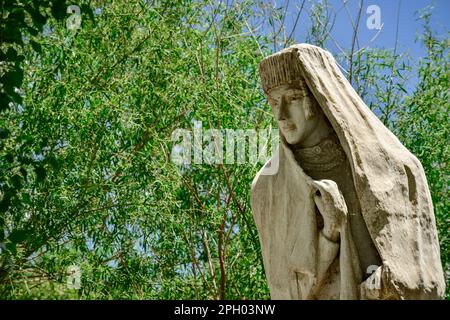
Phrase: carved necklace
[324,156]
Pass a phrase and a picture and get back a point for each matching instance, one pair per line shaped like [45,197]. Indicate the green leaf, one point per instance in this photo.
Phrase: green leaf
[40,173]
[18,236]
[38,18]
[11,54]
[12,79]
[19,59]
[16,97]
[18,15]
[36,46]
[401,88]
[23,172]
[16,181]
[26,198]
[9,157]
[12,34]
[4,101]
[11,247]
[86,9]
[53,162]
[59,9]
[4,133]
[32,31]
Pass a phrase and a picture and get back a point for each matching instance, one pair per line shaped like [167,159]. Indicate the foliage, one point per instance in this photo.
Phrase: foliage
[22,21]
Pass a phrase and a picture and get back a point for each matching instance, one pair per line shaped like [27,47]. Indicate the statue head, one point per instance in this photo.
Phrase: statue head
[300,118]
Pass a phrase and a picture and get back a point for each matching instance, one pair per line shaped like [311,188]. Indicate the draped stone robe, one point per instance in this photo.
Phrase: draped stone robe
[301,263]
[391,188]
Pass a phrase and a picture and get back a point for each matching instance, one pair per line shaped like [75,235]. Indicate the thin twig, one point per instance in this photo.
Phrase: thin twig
[354,37]
[297,18]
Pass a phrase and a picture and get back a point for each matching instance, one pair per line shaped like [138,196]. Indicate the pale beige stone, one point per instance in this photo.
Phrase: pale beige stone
[348,213]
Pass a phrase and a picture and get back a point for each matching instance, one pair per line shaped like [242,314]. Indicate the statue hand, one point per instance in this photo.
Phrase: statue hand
[332,207]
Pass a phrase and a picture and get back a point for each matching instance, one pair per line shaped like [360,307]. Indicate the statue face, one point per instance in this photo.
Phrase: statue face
[295,112]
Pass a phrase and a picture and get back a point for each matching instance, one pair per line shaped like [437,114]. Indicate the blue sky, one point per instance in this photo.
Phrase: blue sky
[408,25]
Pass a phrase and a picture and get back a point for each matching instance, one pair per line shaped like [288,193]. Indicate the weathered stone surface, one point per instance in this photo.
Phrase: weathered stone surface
[348,213]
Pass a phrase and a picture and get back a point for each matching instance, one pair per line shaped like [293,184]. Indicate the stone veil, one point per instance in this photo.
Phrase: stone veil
[390,185]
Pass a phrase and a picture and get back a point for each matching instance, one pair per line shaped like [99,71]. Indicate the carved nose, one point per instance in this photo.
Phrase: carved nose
[282,111]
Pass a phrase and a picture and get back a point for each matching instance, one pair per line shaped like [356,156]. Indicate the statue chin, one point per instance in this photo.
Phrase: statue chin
[293,136]
[291,139]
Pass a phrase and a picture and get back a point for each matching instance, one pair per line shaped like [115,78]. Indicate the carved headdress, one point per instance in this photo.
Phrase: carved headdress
[389,181]
[281,68]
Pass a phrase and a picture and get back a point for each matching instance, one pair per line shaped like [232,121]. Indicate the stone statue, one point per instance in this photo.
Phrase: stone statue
[348,213]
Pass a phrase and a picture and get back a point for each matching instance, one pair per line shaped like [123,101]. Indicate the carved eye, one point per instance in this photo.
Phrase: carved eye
[295,97]
[273,102]
[318,193]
